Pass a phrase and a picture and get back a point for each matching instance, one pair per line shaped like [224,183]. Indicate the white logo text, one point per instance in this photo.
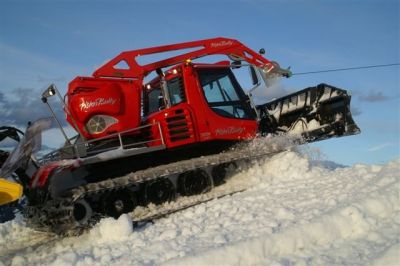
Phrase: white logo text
[85,105]
[221,43]
[229,131]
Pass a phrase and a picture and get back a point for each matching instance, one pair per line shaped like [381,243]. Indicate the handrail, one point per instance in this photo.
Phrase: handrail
[74,148]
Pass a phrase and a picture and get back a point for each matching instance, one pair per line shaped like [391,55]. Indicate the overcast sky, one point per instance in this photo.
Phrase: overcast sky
[43,42]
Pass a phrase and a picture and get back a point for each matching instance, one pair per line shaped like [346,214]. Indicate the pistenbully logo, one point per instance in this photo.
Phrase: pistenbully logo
[85,105]
[229,131]
[221,43]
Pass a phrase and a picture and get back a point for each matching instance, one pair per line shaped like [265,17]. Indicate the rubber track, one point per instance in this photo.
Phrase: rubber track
[57,215]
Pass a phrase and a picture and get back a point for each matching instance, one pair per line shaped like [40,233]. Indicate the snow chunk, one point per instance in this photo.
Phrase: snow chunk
[109,229]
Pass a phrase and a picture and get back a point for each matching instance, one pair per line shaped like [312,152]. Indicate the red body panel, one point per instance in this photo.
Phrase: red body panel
[177,125]
[41,177]
[119,99]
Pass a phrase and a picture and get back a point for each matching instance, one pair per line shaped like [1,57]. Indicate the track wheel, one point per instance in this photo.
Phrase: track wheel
[194,182]
[118,202]
[220,172]
[159,191]
[82,211]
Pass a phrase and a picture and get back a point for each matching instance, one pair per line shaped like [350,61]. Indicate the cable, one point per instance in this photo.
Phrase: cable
[344,69]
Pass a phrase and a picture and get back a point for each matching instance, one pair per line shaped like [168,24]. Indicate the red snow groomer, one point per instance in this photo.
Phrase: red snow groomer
[145,140]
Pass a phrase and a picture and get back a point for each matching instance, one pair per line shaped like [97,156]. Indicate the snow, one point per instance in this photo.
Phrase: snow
[297,211]
[110,229]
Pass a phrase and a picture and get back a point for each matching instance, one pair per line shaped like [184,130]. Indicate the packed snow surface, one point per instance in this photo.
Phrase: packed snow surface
[297,211]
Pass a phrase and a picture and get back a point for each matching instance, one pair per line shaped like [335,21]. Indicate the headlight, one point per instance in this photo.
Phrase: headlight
[99,123]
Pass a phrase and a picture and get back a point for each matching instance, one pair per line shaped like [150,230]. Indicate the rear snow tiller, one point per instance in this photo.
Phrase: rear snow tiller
[144,140]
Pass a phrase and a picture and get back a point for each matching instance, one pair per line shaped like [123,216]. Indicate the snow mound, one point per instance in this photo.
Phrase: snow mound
[298,210]
[109,229]
[347,226]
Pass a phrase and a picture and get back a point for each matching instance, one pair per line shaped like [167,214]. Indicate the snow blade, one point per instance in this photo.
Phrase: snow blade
[316,113]
[30,143]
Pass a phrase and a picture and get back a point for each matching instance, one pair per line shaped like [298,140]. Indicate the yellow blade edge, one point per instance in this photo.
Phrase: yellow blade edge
[9,191]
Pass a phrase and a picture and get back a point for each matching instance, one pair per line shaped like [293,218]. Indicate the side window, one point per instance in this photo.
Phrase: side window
[220,90]
[213,94]
[176,91]
[154,101]
[227,89]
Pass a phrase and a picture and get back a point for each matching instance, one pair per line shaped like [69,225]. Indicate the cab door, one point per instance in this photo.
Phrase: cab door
[228,112]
